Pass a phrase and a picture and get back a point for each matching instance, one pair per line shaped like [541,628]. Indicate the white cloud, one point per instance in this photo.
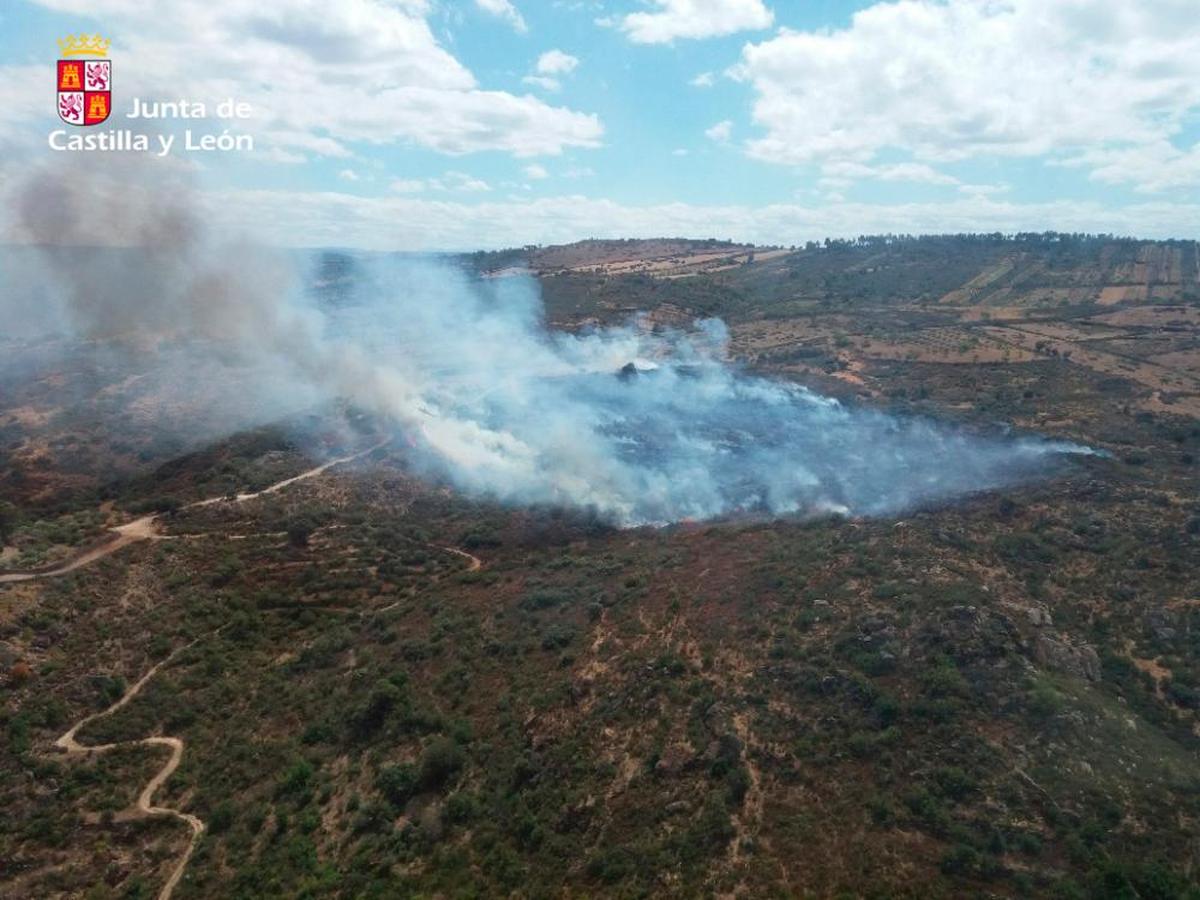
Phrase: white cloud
[703,80]
[967,78]
[457,182]
[321,76]
[983,190]
[25,95]
[505,10]
[408,186]
[720,132]
[555,62]
[545,82]
[285,157]
[842,173]
[535,172]
[348,175]
[549,65]
[1147,167]
[461,181]
[694,19]
[415,223]
[679,151]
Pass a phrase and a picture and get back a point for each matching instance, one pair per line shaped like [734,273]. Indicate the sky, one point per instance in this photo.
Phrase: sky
[438,125]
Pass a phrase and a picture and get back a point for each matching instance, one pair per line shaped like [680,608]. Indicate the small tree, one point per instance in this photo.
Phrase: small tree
[299,530]
[440,762]
[9,516]
[20,673]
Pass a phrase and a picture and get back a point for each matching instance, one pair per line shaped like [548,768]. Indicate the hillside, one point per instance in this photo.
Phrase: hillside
[383,687]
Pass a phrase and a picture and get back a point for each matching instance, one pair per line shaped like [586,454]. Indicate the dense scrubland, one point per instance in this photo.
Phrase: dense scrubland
[396,690]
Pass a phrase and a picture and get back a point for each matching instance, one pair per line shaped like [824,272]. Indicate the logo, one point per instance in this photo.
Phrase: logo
[84,85]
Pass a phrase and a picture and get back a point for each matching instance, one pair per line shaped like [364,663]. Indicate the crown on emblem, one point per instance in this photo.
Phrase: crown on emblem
[83,45]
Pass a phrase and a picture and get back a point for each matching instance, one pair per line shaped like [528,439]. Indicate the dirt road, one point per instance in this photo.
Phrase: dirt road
[280,485]
[144,807]
[475,562]
[147,527]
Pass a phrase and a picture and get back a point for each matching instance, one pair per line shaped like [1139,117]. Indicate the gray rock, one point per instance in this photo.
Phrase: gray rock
[1080,660]
[1039,616]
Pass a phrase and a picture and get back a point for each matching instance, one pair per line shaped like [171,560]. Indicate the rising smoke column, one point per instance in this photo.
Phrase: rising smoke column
[643,427]
[639,426]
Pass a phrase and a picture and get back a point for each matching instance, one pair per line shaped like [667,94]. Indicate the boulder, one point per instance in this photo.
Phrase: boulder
[1056,653]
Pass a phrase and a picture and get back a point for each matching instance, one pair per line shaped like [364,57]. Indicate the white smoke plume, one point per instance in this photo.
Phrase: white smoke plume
[639,426]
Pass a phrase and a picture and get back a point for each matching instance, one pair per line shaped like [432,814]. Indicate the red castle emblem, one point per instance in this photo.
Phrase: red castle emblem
[84,85]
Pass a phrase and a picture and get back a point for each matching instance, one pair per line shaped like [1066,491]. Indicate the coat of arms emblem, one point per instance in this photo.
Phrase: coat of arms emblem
[84,80]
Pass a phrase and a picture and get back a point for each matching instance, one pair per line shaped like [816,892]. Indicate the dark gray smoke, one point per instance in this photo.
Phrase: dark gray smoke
[642,427]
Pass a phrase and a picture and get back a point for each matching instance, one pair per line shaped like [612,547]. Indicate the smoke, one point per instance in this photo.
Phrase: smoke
[640,425]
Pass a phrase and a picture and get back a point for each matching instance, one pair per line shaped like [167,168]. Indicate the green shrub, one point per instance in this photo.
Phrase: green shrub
[440,762]
[398,783]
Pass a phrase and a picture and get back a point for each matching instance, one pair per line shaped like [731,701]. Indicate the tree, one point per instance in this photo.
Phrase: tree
[19,673]
[299,530]
[9,517]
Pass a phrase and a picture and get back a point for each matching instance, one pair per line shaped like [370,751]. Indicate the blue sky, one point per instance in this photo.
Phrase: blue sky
[418,124]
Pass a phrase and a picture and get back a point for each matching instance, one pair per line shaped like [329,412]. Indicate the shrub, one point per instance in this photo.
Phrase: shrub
[220,818]
[557,636]
[1044,700]
[297,778]
[19,674]
[9,518]
[544,600]
[944,680]
[954,783]
[1183,694]
[440,762]
[299,530]
[398,783]
[370,716]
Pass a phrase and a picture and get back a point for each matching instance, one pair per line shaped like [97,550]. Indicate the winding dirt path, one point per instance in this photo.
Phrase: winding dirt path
[280,485]
[147,527]
[122,536]
[475,563]
[144,807]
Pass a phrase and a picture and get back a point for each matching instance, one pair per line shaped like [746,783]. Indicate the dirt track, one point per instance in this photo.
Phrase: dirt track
[121,536]
[143,808]
[146,528]
[475,562]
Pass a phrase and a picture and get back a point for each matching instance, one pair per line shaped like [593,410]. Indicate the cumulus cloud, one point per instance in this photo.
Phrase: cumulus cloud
[1101,83]
[408,185]
[550,66]
[720,132]
[536,172]
[692,19]
[406,218]
[545,82]
[555,62]
[456,182]
[916,172]
[505,10]
[321,76]
[1148,167]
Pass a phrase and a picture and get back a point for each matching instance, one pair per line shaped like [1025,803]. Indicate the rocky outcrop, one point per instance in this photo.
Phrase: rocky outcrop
[1056,653]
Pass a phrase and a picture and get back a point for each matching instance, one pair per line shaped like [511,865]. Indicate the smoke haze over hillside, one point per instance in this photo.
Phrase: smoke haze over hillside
[638,425]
